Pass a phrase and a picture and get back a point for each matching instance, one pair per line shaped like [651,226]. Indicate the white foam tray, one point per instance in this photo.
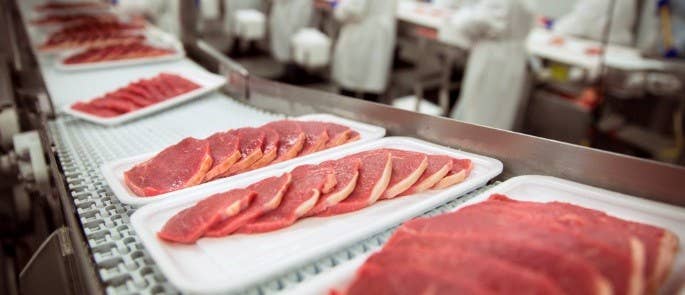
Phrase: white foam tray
[114,171]
[236,262]
[547,189]
[155,38]
[208,82]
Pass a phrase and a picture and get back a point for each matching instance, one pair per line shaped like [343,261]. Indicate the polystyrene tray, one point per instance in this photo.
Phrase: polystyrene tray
[547,189]
[208,81]
[155,38]
[236,262]
[114,171]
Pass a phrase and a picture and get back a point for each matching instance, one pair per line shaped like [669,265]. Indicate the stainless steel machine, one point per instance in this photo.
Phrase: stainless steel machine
[53,160]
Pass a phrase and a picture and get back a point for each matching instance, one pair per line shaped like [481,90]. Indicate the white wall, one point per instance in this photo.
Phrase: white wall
[551,8]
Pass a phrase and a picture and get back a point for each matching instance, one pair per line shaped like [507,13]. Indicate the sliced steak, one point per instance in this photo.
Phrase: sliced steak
[270,151]
[374,176]
[291,141]
[461,168]
[407,168]
[337,134]
[224,147]
[190,224]
[176,167]
[269,191]
[309,181]
[438,167]
[346,176]
[251,142]
[316,137]
[95,111]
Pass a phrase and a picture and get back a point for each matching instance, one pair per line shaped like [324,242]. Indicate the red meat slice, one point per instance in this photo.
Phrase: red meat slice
[407,168]
[168,82]
[490,273]
[159,84]
[309,182]
[95,111]
[374,176]
[188,225]
[346,176]
[374,280]
[270,192]
[438,167]
[114,103]
[270,148]
[154,91]
[338,134]
[176,167]
[316,137]
[612,264]
[180,83]
[571,273]
[353,136]
[251,142]
[660,245]
[461,168]
[133,98]
[225,152]
[291,141]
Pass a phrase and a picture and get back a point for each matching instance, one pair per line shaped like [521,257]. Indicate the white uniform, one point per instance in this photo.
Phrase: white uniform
[589,19]
[495,84]
[364,50]
[167,15]
[287,17]
[231,6]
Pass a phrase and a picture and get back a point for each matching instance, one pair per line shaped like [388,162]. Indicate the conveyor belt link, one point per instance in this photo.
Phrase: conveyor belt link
[122,263]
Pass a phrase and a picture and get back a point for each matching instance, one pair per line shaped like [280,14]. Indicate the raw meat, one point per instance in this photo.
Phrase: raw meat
[316,137]
[490,273]
[269,191]
[461,168]
[94,39]
[337,134]
[270,148]
[346,175]
[136,50]
[374,280]
[225,152]
[62,6]
[291,141]
[176,167]
[407,168]
[188,225]
[438,167]
[660,245]
[374,176]
[353,136]
[116,104]
[309,182]
[571,273]
[618,268]
[251,142]
[95,111]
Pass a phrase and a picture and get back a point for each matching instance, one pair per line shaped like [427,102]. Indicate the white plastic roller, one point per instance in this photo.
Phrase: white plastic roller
[311,48]
[250,24]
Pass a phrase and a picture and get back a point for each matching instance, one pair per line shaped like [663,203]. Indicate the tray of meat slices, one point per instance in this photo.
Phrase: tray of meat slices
[56,7]
[56,19]
[528,235]
[244,232]
[92,34]
[157,46]
[145,96]
[194,165]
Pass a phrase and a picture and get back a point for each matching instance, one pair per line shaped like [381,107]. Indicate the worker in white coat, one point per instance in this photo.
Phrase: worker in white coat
[230,8]
[287,18]
[363,53]
[495,86]
[589,19]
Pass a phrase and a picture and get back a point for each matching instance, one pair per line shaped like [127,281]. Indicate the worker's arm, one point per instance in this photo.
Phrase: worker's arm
[351,10]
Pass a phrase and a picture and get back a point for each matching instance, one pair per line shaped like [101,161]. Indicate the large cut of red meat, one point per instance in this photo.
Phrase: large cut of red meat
[251,142]
[617,267]
[491,273]
[176,167]
[270,150]
[660,245]
[374,280]
[461,168]
[407,168]
[374,176]
[572,274]
[190,224]
[291,141]
[316,137]
[438,167]
[269,191]
[225,152]
[309,182]
[346,176]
